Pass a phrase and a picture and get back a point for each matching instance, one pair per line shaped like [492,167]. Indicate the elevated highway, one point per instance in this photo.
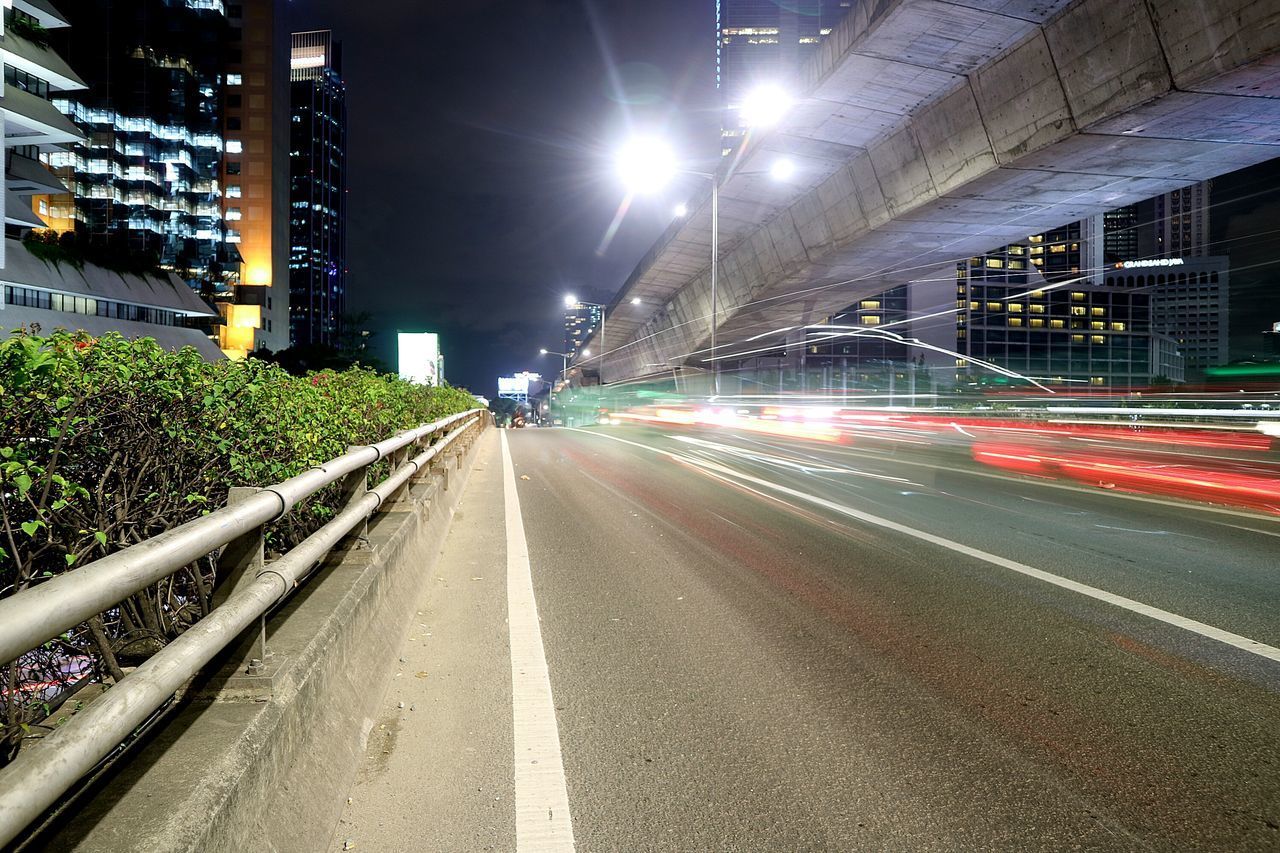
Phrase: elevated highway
[929,131]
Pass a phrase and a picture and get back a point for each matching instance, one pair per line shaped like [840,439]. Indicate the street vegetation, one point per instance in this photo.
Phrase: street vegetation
[105,442]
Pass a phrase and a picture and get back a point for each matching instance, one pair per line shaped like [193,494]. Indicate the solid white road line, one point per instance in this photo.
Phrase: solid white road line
[1178,621]
[542,796]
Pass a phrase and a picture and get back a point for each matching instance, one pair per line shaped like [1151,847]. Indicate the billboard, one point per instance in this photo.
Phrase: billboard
[513,385]
[420,357]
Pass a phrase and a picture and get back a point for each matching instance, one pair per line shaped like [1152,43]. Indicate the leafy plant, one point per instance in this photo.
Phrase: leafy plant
[106,442]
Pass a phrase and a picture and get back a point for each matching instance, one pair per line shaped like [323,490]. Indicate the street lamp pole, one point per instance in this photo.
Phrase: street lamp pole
[715,271]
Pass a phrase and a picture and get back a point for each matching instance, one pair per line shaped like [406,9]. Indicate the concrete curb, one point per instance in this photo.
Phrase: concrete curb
[265,766]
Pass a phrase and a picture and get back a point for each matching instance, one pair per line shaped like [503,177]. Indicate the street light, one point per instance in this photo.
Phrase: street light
[635,174]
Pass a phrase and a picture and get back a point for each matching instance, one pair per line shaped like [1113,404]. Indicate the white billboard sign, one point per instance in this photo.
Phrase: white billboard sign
[420,357]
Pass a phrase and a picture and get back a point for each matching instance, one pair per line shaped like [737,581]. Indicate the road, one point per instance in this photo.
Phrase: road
[757,643]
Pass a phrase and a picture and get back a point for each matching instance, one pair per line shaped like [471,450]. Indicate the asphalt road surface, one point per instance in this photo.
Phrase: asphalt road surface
[763,644]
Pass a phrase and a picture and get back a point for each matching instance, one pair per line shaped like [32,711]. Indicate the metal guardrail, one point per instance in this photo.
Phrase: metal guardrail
[37,778]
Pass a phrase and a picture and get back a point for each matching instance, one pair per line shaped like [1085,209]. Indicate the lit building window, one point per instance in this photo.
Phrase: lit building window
[1097,339]
[993,306]
[995,263]
[233,191]
[870,320]
[1037,322]
[1117,327]
[1015,307]
[234,80]
[1077,339]
[869,303]
[1037,309]
[1078,310]
[1097,324]
[235,146]
[1015,321]
[1057,324]
[1076,296]
[1099,312]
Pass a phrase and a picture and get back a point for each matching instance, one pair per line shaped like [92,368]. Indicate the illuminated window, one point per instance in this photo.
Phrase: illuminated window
[235,146]
[1037,322]
[1077,296]
[1057,324]
[1017,265]
[1097,339]
[1057,248]
[234,80]
[233,191]
[1077,339]
[974,306]
[960,304]
[233,214]
[993,306]
[1037,309]
[1096,380]
[1037,250]
[1016,250]
[1099,312]
[961,334]
[1097,324]
[870,320]
[869,303]
[1078,310]
[1015,307]
[1036,238]
[960,362]
[1015,321]
[1117,327]
[1039,294]
[995,263]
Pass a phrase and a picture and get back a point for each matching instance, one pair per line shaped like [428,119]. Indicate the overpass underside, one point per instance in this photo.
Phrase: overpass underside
[932,131]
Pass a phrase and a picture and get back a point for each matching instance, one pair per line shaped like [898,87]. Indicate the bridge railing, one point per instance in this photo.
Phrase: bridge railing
[37,778]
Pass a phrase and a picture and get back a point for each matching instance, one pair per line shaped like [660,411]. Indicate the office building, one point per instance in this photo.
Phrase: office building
[41,297]
[1190,301]
[1271,340]
[145,179]
[317,190]
[766,42]
[255,177]
[581,319]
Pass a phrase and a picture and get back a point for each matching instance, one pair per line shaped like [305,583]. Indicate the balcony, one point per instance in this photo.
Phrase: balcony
[31,120]
[38,60]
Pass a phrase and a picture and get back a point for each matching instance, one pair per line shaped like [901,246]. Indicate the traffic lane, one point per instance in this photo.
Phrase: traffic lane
[733,673]
[1216,567]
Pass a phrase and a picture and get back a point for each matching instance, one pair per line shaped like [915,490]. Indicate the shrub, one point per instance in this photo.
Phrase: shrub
[106,442]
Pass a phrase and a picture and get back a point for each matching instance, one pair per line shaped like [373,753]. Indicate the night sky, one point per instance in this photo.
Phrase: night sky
[481,133]
[480,181]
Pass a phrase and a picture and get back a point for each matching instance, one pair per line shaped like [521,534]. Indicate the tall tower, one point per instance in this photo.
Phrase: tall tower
[255,177]
[765,42]
[317,191]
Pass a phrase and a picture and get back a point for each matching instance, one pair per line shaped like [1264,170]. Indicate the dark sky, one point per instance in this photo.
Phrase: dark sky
[480,181]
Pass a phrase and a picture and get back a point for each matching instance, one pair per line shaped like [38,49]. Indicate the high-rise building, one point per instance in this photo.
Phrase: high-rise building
[317,191]
[762,42]
[255,177]
[581,319]
[1271,340]
[33,127]
[145,180]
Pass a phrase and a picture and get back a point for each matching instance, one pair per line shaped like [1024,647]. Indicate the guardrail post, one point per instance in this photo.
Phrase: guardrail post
[352,488]
[238,565]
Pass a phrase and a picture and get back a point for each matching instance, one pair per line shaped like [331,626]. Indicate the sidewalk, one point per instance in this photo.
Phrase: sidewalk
[436,775]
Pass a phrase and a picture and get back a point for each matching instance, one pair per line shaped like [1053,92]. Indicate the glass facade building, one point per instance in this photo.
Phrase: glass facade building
[580,322]
[147,177]
[317,190]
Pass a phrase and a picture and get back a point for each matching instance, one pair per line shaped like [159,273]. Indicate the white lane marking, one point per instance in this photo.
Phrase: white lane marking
[542,795]
[1178,621]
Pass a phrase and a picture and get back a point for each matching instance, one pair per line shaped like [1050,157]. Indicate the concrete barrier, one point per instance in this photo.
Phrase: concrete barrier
[263,762]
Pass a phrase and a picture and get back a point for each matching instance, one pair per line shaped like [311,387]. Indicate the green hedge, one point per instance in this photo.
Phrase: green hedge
[105,442]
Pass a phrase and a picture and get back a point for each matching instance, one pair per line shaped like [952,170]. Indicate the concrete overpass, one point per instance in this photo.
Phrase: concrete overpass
[930,131]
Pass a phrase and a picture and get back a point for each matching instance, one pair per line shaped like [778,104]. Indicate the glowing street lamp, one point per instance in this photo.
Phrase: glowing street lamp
[631,166]
[681,211]
[765,105]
